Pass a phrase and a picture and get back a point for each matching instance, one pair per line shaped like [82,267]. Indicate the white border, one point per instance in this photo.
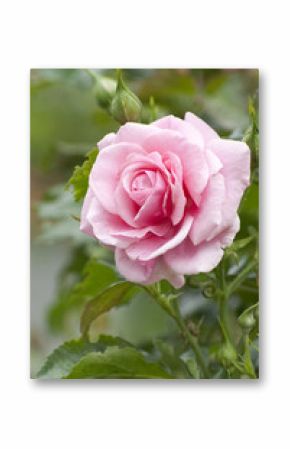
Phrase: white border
[151,34]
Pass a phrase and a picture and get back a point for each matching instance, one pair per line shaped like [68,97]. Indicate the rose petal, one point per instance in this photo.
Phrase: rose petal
[209,215]
[193,159]
[146,272]
[153,247]
[105,173]
[109,139]
[85,225]
[139,272]
[184,128]
[235,157]
[189,259]
[134,132]
[199,125]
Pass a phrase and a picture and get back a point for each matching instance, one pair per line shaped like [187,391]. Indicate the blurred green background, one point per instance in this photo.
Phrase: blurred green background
[66,122]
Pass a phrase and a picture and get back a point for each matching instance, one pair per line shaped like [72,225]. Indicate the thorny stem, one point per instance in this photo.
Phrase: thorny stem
[169,304]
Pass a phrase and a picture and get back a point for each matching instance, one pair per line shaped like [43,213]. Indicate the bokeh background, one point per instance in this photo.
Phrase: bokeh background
[66,122]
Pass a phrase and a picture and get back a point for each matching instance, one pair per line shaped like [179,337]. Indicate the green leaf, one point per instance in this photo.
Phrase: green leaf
[62,360]
[114,295]
[96,277]
[241,243]
[80,177]
[117,363]
[55,212]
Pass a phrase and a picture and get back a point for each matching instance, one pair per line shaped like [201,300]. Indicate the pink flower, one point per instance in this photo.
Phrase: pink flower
[165,196]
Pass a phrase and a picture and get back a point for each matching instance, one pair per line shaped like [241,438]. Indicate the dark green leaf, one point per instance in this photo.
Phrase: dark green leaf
[61,361]
[116,363]
[80,177]
[114,295]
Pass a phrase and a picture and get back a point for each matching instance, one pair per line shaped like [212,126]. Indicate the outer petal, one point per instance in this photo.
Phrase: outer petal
[139,272]
[209,215]
[205,130]
[153,247]
[109,139]
[189,259]
[134,133]
[163,271]
[177,124]
[235,157]
[146,272]
[85,225]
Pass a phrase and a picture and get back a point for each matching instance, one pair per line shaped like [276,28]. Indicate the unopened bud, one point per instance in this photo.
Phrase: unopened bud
[247,320]
[126,106]
[104,91]
[104,88]
[227,354]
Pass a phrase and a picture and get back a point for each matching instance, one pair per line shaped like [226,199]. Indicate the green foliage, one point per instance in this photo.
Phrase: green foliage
[97,276]
[89,277]
[116,363]
[169,358]
[57,211]
[80,177]
[62,360]
[115,295]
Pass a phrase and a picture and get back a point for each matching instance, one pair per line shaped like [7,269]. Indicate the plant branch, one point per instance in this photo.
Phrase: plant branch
[169,304]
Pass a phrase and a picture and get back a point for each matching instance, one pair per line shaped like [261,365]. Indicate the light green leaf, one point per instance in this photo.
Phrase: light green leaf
[114,295]
[80,177]
[116,363]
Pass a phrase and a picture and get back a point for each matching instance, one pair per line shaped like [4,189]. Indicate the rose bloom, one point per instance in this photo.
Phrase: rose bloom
[164,197]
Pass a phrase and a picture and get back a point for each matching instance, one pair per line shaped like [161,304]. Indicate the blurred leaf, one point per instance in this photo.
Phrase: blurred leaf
[193,368]
[170,360]
[97,276]
[80,178]
[248,364]
[241,243]
[56,212]
[92,277]
[251,136]
[115,295]
[115,363]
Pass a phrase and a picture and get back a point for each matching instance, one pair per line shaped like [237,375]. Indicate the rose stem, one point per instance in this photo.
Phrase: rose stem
[169,304]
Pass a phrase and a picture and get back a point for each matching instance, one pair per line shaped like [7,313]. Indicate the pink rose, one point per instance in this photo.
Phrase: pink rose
[165,196]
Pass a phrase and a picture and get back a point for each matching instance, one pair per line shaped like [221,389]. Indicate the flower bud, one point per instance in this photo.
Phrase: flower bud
[227,354]
[104,91]
[126,106]
[247,321]
[104,88]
